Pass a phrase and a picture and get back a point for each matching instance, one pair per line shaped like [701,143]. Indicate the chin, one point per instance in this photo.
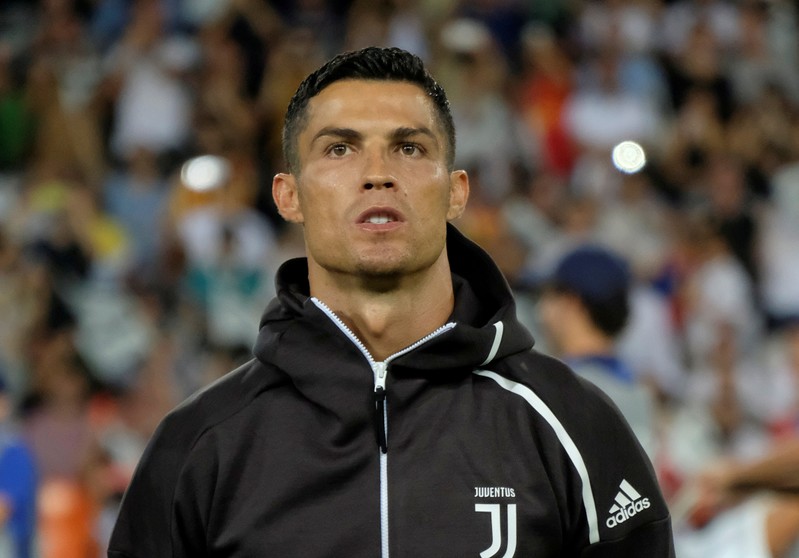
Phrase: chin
[381,269]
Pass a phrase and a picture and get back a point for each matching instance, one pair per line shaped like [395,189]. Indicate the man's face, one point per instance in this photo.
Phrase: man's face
[556,312]
[373,190]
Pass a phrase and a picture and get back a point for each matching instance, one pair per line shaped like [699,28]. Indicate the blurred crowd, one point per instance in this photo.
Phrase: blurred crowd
[125,286]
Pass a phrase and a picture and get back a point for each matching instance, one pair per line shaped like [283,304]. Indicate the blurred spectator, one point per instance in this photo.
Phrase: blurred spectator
[730,205]
[651,345]
[56,425]
[636,223]
[407,28]
[782,364]
[585,306]
[699,65]
[716,446]
[56,422]
[532,213]
[16,117]
[135,196]
[695,134]
[545,85]
[386,22]
[630,25]
[291,59]
[230,291]
[474,74]
[16,314]
[576,217]
[717,295]
[757,65]
[760,138]
[222,89]
[63,82]
[146,73]
[368,24]
[326,20]
[102,237]
[777,245]
[504,19]
[18,486]
[627,29]
[198,220]
[599,115]
[681,19]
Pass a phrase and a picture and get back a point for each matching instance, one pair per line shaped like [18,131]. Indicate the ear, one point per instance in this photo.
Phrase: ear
[284,192]
[458,193]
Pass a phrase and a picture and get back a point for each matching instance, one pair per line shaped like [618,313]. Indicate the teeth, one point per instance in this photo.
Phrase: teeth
[379,219]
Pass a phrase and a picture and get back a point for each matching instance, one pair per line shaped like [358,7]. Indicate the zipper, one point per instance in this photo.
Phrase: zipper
[380,373]
[380,415]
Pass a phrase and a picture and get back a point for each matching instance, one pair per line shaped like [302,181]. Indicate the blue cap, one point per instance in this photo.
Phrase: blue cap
[594,273]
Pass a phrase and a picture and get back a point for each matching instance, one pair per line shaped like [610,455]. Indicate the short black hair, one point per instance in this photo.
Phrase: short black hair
[601,279]
[609,315]
[370,63]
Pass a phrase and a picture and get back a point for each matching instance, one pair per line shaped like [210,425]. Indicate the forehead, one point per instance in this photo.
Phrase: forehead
[357,102]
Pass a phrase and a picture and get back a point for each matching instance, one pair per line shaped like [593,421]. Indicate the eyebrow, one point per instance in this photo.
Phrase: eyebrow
[398,134]
[404,133]
[343,133]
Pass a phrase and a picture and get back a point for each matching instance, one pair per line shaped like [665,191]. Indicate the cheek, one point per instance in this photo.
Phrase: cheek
[435,190]
[320,196]
[548,313]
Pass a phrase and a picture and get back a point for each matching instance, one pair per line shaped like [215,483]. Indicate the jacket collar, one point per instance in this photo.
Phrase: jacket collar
[485,316]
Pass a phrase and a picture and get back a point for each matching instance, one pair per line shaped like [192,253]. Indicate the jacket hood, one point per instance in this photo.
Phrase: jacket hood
[295,332]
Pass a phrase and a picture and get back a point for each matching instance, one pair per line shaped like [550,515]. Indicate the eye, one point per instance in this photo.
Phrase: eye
[410,149]
[338,149]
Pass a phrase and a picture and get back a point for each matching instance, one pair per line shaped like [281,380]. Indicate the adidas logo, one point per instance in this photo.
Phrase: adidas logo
[628,503]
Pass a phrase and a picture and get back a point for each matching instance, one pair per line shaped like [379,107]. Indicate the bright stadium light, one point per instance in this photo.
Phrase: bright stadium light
[205,172]
[629,157]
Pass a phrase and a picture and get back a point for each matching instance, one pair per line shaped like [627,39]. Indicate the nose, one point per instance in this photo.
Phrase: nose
[377,173]
[385,183]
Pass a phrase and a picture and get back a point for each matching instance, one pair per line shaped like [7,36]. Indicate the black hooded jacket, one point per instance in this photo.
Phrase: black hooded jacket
[468,443]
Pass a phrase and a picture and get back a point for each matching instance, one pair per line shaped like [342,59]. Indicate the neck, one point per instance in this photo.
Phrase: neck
[387,313]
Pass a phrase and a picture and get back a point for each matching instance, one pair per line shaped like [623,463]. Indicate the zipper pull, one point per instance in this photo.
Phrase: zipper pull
[380,418]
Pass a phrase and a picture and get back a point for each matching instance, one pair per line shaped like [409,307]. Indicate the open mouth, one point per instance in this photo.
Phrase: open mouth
[380,219]
[379,216]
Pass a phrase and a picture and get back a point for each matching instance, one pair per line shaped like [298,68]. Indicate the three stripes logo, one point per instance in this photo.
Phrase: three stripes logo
[628,502]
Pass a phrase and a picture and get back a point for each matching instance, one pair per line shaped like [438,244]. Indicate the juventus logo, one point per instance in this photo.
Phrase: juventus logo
[496,529]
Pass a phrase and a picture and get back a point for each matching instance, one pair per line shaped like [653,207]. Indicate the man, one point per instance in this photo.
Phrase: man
[394,407]
[584,309]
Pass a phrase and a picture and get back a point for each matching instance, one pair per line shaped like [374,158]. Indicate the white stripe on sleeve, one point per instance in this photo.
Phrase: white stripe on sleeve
[568,444]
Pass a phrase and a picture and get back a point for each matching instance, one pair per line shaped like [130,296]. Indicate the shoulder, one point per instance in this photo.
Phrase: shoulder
[180,431]
[217,402]
[563,397]
[570,404]
[147,518]
[552,380]
[590,430]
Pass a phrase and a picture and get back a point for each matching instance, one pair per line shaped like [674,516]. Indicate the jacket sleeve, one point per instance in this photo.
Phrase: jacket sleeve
[156,517]
[630,513]
[651,539]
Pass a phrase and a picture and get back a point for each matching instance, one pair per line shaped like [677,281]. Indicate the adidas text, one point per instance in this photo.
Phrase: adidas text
[628,502]
[627,512]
